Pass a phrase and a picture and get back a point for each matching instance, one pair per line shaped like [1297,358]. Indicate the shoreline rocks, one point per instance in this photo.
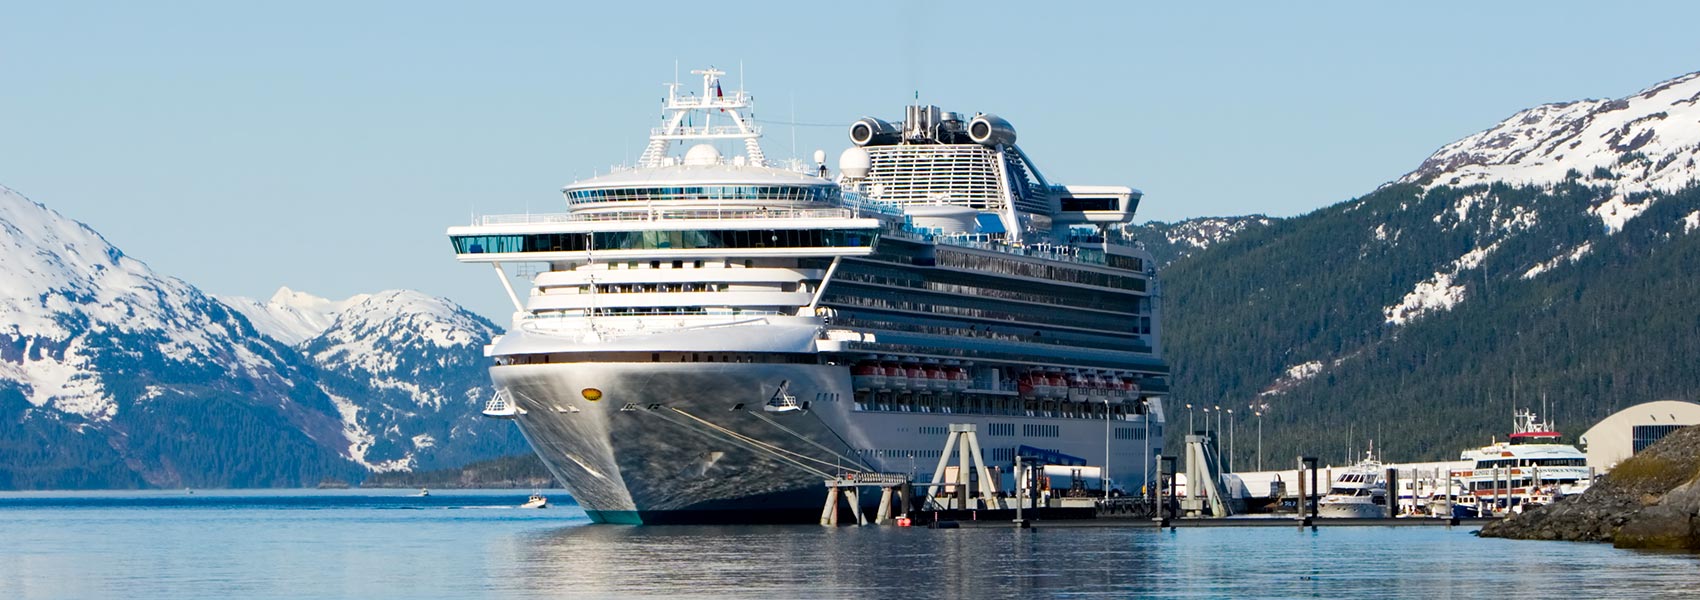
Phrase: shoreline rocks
[1649,501]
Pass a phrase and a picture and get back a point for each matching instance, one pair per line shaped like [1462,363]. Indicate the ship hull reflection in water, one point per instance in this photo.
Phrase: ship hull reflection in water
[811,561]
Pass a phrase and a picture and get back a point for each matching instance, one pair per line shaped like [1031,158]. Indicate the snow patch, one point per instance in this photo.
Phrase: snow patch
[360,440]
[1434,294]
[1616,211]
[1575,254]
[1293,376]
[1438,292]
[1206,232]
[1691,222]
[1304,370]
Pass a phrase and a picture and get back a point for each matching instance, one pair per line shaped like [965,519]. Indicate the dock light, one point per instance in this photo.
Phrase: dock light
[591,394]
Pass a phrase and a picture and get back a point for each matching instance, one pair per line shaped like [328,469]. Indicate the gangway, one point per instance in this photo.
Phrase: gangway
[1204,491]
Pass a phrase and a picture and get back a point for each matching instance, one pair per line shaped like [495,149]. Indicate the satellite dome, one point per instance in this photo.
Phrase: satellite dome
[854,162]
[702,154]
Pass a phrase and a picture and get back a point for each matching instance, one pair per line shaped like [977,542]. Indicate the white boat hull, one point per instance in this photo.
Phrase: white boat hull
[692,443]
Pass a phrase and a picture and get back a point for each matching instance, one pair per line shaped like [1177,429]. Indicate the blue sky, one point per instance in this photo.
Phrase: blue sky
[326,145]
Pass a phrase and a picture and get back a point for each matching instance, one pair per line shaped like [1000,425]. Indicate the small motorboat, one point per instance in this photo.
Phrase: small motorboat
[536,501]
[423,493]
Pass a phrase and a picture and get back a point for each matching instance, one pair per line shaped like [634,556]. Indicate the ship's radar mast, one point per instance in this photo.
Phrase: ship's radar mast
[678,123]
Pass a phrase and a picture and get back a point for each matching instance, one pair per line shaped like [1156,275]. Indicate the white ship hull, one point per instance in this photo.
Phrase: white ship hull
[689,442]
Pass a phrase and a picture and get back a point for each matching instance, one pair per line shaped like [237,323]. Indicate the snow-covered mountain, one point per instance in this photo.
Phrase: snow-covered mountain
[1548,256]
[404,369]
[289,316]
[105,362]
[112,375]
[1647,142]
[1169,242]
[408,376]
[1628,153]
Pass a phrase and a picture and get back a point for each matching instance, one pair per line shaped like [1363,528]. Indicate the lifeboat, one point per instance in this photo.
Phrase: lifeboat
[1059,384]
[895,378]
[937,379]
[1027,386]
[1100,386]
[867,376]
[1124,388]
[916,376]
[959,379]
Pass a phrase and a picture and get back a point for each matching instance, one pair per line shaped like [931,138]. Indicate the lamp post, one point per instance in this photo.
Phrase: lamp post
[1189,428]
[1145,463]
[1258,410]
[1230,440]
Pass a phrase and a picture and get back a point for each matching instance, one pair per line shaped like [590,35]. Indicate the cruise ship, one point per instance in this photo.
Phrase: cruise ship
[711,334]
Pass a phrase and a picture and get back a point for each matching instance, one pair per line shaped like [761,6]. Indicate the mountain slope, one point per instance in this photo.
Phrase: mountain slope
[289,316]
[408,376]
[107,369]
[1169,242]
[1420,314]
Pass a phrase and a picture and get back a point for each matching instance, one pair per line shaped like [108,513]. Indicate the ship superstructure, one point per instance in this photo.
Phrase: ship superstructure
[707,337]
[1533,466]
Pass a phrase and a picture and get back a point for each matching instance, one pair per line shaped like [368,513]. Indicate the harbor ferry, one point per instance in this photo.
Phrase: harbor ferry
[710,334]
[1533,466]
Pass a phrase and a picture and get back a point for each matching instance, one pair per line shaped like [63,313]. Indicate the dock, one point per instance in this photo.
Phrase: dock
[968,495]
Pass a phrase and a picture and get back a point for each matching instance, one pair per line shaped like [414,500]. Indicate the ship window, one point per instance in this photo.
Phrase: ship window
[678,264]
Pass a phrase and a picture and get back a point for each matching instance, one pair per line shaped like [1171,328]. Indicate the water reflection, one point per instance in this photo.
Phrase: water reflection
[811,562]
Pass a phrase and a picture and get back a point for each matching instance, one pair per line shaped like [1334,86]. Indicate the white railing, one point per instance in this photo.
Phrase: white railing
[638,214]
[724,100]
[717,131]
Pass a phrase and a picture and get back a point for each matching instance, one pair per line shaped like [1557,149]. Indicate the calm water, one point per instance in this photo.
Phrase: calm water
[376,544]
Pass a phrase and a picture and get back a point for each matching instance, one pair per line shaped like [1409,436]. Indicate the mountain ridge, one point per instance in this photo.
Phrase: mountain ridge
[1430,306]
[113,375]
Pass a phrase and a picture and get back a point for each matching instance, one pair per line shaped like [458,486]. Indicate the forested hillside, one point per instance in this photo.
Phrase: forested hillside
[1546,262]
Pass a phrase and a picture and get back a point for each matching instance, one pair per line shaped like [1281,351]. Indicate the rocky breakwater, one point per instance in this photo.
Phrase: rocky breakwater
[1649,501]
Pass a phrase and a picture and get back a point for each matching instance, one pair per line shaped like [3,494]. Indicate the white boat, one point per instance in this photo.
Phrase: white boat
[710,333]
[423,493]
[536,501]
[1533,466]
[1359,492]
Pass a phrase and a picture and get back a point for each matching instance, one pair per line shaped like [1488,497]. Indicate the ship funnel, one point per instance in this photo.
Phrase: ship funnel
[991,130]
[873,132]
